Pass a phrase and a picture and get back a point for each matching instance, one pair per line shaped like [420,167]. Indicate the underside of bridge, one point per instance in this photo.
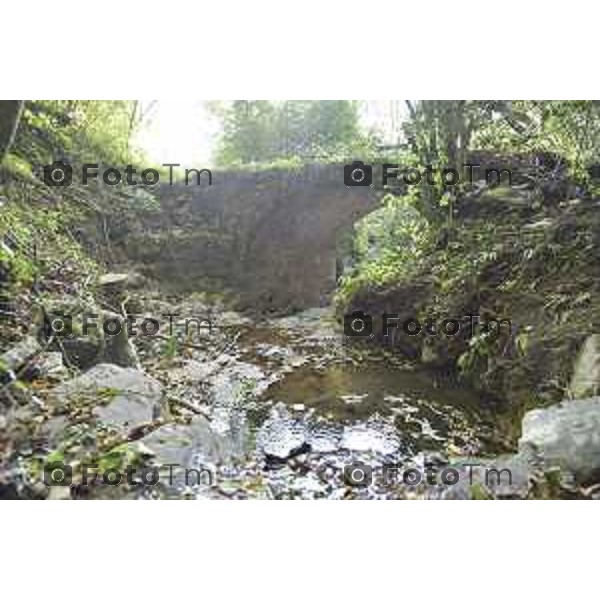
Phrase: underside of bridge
[269,237]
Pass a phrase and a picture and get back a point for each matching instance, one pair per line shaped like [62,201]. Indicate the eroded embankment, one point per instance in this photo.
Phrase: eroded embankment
[530,258]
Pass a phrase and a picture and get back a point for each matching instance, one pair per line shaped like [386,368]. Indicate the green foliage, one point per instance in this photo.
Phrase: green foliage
[56,455]
[387,243]
[570,129]
[21,268]
[476,358]
[35,238]
[117,458]
[439,133]
[18,263]
[259,131]
[17,166]
[96,131]
[480,492]
[170,349]
[76,132]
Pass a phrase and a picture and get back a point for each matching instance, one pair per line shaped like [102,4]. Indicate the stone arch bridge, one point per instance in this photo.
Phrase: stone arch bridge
[270,237]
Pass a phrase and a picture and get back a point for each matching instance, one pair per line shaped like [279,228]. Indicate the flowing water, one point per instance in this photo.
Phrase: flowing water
[294,406]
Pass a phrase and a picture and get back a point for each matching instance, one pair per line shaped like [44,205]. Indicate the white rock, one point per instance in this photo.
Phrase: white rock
[585,381]
[566,435]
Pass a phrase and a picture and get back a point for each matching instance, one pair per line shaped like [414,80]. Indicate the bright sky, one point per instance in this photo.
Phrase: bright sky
[178,131]
[185,132]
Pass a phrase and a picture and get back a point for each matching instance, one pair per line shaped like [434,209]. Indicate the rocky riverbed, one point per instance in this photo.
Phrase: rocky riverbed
[270,408]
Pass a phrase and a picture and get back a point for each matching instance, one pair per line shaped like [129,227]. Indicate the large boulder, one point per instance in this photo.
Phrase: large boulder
[121,398]
[567,436]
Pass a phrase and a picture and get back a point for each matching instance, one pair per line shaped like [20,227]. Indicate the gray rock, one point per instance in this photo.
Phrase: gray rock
[97,347]
[20,414]
[83,352]
[135,398]
[325,438]
[538,225]
[53,429]
[113,279]
[186,456]
[505,476]
[567,436]
[13,394]
[118,348]
[59,493]
[58,320]
[281,436]
[185,445]
[19,354]
[585,381]
[113,289]
[48,364]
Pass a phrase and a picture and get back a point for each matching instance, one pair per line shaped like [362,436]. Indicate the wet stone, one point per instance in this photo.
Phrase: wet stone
[373,436]
[282,436]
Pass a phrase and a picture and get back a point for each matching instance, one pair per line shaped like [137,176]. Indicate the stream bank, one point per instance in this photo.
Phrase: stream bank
[527,255]
[276,408]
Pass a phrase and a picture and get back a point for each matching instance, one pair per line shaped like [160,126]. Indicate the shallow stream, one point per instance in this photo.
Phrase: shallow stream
[296,407]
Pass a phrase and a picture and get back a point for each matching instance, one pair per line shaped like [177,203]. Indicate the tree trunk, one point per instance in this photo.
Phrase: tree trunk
[10,113]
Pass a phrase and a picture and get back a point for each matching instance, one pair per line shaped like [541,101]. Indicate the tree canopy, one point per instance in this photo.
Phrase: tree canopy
[257,131]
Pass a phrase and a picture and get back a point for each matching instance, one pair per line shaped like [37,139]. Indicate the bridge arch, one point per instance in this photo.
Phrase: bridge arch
[270,236]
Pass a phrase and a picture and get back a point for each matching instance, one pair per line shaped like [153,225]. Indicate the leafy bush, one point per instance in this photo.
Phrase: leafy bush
[386,244]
